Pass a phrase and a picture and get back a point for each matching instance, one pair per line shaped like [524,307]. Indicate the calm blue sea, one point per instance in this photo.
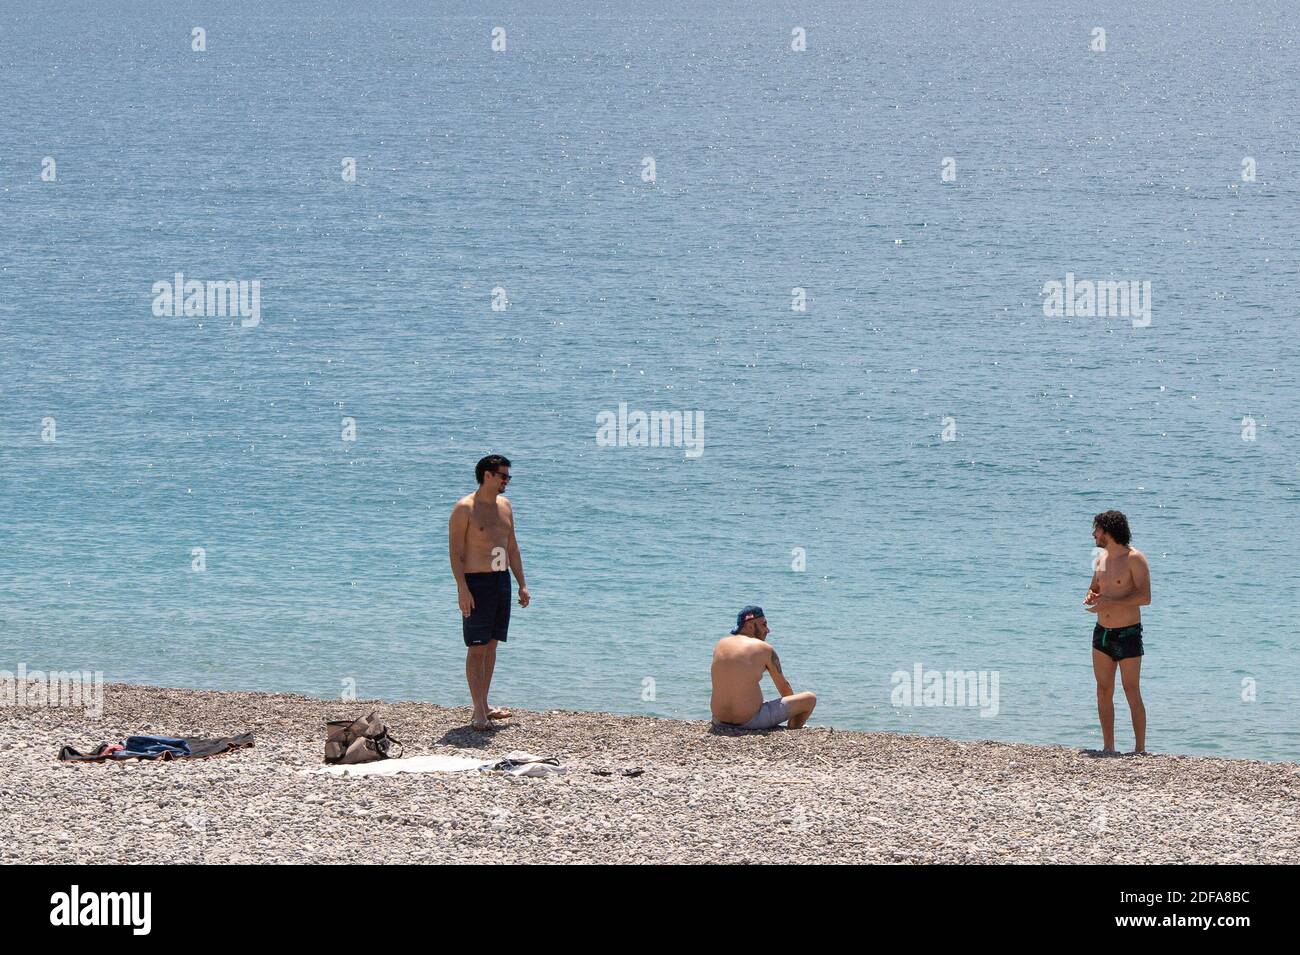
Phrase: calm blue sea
[774,169]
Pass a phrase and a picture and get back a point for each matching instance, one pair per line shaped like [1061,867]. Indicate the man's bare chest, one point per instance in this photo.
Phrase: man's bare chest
[488,522]
[1114,574]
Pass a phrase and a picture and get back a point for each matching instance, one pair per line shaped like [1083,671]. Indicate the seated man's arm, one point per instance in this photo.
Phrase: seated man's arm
[774,670]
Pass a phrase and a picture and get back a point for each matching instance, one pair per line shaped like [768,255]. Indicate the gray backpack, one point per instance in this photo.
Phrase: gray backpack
[358,741]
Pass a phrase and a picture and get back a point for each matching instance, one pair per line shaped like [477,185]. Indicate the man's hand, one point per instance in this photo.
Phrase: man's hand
[523,597]
[466,601]
[1094,601]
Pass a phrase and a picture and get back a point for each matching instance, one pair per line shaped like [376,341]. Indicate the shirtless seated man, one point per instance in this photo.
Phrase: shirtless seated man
[739,662]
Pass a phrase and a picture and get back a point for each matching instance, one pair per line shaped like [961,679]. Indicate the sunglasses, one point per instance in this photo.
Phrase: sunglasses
[503,477]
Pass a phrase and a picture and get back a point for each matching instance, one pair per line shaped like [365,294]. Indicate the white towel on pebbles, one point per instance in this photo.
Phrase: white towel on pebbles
[516,764]
[408,764]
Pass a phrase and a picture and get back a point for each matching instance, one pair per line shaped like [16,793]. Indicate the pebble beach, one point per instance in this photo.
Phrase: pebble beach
[635,790]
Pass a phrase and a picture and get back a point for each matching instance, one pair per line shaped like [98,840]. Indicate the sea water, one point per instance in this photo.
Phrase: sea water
[824,238]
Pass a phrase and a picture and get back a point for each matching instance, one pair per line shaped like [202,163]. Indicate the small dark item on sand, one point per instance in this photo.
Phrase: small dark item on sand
[164,748]
[635,771]
[358,741]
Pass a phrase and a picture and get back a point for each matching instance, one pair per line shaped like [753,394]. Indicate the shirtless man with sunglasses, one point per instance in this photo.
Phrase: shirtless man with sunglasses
[482,544]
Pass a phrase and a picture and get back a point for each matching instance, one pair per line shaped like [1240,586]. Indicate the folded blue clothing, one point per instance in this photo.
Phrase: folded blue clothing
[165,748]
[151,747]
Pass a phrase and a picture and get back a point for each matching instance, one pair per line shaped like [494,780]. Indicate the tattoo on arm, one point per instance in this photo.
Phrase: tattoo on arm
[778,676]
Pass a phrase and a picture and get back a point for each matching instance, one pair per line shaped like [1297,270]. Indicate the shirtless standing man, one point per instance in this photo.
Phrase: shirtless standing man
[1121,585]
[739,662]
[482,544]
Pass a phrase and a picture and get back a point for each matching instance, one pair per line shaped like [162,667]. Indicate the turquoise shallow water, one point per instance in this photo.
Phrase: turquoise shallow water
[326,559]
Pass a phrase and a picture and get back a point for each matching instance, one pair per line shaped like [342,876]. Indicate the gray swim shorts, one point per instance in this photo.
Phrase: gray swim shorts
[772,713]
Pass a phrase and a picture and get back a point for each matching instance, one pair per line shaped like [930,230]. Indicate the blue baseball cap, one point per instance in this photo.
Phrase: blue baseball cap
[749,613]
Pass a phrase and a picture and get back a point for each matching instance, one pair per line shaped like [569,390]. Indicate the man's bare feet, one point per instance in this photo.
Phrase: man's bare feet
[498,714]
